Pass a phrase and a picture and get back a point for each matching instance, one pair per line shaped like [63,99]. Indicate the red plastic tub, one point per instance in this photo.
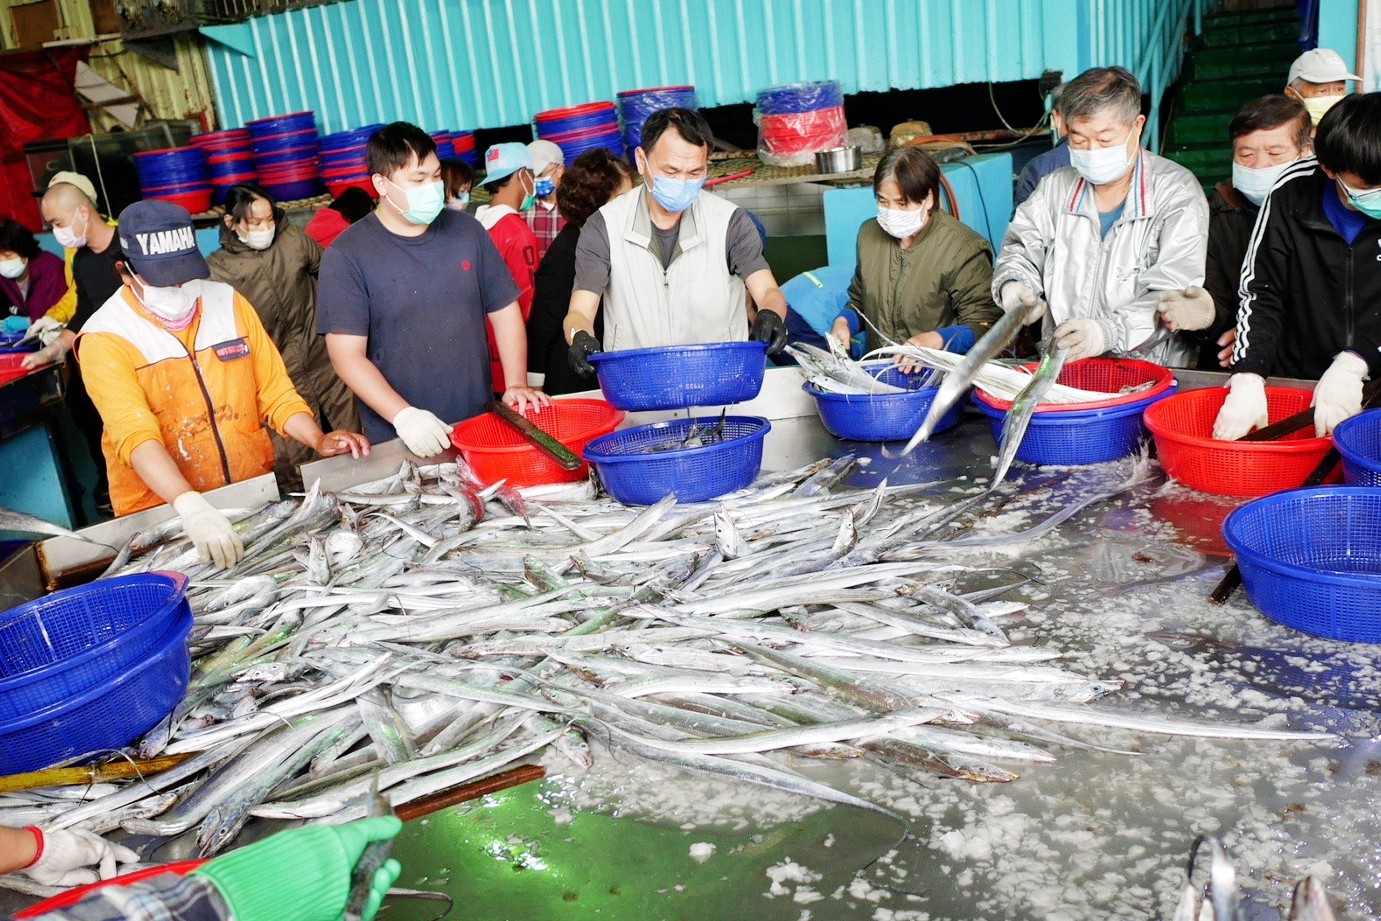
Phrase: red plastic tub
[195,202]
[495,450]
[1182,425]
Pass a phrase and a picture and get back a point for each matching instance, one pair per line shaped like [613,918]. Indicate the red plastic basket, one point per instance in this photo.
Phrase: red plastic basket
[495,450]
[1182,425]
[338,188]
[1107,375]
[10,367]
[73,896]
[194,202]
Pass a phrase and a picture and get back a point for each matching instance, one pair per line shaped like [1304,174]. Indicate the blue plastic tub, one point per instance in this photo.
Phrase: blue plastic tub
[1311,559]
[709,374]
[635,475]
[107,716]
[58,646]
[1076,437]
[883,416]
[1358,440]
[796,98]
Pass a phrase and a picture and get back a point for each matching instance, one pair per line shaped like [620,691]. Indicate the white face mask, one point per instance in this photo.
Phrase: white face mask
[1255,184]
[257,239]
[1106,164]
[460,202]
[170,304]
[12,268]
[68,237]
[902,224]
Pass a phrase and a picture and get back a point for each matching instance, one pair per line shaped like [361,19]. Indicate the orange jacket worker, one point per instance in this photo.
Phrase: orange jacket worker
[185,378]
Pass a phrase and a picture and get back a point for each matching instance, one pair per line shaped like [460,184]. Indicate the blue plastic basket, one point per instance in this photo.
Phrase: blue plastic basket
[635,475]
[59,646]
[1358,440]
[1311,559]
[107,716]
[881,416]
[1078,437]
[711,374]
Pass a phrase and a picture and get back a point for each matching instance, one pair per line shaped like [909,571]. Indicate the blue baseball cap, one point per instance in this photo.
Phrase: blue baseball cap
[503,160]
[160,244]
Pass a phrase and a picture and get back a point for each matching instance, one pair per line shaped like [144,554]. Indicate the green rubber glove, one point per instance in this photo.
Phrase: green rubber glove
[302,874]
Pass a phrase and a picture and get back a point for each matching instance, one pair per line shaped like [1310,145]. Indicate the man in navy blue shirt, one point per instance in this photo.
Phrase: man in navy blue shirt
[404,297]
[1310,297]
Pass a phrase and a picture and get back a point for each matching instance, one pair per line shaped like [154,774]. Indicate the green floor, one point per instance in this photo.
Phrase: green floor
[1239,57]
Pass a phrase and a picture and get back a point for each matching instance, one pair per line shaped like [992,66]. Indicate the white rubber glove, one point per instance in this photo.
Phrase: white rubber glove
[423,433]
[44,330]
[1017,296]
[209,530]
[1081,338]
[1339,392]
[1189,309]
[75,857]
[1245,408]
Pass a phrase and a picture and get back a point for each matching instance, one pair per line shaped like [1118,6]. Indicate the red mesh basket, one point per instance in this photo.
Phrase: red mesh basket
[1106,375]
[495,450]
[11,368]
[1182,425]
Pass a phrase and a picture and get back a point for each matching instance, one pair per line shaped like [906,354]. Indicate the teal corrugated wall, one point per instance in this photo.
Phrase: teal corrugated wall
[488,63]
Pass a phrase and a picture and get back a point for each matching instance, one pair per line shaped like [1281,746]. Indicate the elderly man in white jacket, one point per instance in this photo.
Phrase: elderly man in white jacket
[1100,240]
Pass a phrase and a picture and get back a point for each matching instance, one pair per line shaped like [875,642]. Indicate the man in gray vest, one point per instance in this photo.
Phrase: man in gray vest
[672,264]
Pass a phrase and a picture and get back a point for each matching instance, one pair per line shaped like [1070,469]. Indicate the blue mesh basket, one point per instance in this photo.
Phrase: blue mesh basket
[712,374]
[1311,559]
[881,416]
[107,716]
[59,646]
[1076,437]
[1358,440]
[636,474]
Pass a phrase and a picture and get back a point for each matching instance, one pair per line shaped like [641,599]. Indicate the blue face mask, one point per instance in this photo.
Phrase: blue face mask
[676,195]
[545,186]
[1367,201]
[424,201]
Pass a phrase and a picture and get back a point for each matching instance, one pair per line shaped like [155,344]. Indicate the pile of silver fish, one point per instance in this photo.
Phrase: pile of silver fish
[424,631]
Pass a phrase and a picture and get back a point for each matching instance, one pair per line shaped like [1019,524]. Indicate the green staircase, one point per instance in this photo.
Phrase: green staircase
[1238,57]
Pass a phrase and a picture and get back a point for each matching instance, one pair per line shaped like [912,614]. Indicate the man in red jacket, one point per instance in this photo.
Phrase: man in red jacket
[512,187]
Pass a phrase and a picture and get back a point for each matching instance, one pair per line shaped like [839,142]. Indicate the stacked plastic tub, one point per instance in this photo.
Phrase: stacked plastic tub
[445,146]
[179,175]
[636,105]
[285,155]
[576,129]
[798,120]
[463,143]
[88,670]
[344,159]
[229,160]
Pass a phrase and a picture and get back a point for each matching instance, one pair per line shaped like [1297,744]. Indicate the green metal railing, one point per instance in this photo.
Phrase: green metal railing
[1148,38]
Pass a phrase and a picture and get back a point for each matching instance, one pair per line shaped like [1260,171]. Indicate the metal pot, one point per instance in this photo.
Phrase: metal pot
[839,160]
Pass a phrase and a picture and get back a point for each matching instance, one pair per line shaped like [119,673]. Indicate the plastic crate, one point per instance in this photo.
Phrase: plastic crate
[710,374]
[635,475]
[881,416]
[59,646]
[107,716]
[496,451]
[1077,438]
[1183,427]
[1311,559]
[1359,442]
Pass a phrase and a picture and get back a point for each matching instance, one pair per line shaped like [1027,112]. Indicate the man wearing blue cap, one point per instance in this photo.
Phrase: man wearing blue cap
[405,295]
[511,182]
[185,378]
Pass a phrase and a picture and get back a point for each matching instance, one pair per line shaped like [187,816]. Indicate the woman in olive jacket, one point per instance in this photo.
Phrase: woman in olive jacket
[923,278]
[274,265]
